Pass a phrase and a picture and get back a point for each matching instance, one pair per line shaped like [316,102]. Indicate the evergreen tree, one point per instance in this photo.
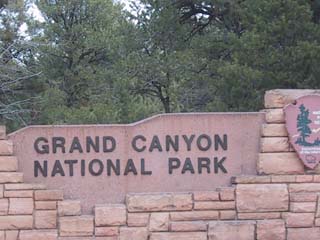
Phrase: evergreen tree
[303,122]
[249,47]
[19,86]
[161,61]
[100,64]
[82,46]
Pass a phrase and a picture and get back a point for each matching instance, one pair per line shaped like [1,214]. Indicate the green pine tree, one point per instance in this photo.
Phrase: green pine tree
[303,122]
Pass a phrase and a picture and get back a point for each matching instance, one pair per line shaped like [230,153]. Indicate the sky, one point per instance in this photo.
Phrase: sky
[35,13]
[125,2]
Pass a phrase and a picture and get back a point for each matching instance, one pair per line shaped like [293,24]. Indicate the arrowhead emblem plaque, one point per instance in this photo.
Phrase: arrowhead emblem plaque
[303,125]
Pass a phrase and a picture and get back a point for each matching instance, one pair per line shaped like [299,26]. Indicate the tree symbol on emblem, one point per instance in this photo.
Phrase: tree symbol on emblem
[303,122]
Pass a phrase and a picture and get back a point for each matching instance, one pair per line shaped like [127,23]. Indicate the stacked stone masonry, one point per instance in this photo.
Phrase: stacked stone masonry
[281,203]
[277,155]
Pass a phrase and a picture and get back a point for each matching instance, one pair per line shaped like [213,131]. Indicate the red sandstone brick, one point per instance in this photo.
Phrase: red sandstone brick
[304,178]
[227,194]
[318,207]
[133,233]
[4,206]
[283,178]
[274,144]
[259,216]
[303,197]
[159,202]
[46,219]
[262,197]
[280,163]
[228,215]
[107,231]
[102,238]
[138,219]
[303,233]
[194,215]
[48,195]
[20,206]
[316,178]
[299,219]
[279,98]
[16,222]
[89,238]
[304,187]
[227,230]
[12,235]
[275,115]
[313,171]
[179,236]
[303,206]
[24,186]
[6,149]
[69,208]
[228,205]
[206,196]
[18,194]
[159,222]
[192,226]
[271,230]
[76,226]
[110,215]
[45,205]
[251,179]
[8,163]
[38,235]
[11,177]
[182,201]
[274,130]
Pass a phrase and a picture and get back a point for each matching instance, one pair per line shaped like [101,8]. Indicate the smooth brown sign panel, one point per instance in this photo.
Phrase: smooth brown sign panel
[303,124]
[165,153]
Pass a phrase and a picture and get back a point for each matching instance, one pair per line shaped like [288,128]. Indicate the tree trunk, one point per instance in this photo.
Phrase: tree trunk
[166,104]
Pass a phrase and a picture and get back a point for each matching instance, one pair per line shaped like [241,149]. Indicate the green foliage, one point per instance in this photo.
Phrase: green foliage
[77,42]
[125,109]
[278,47]
[158,66]
[90,61]
[19,85]
[82,46]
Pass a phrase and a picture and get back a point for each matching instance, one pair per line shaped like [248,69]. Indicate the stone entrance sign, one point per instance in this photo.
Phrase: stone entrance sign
[303,124]
[165,153]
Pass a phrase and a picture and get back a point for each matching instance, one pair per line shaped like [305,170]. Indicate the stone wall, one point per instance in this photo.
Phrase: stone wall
[277,156]
[280,203]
